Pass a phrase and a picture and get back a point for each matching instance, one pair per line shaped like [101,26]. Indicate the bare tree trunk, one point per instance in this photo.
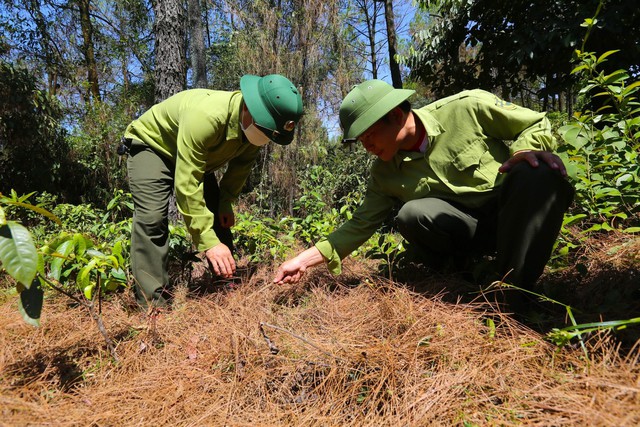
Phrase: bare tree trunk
[88,51]
[560,106]
[396,78]
[197,46]
[371,30]
[170,70]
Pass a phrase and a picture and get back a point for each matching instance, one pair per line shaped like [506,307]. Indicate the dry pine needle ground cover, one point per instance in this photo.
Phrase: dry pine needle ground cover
[353,350]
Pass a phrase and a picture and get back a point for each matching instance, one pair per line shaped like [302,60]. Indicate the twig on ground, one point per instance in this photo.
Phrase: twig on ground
[306,341]
[272,347]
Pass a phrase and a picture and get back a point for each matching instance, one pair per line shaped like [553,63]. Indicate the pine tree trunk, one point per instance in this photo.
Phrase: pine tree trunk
[197,47]
[88,50]
[170,70]
[396,78]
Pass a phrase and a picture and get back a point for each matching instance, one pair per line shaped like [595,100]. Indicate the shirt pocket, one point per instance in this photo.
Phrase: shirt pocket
[474,167]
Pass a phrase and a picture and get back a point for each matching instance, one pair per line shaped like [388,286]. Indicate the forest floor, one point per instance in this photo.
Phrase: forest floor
[357,349]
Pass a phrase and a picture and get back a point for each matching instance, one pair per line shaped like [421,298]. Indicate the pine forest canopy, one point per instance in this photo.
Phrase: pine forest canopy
[85,50]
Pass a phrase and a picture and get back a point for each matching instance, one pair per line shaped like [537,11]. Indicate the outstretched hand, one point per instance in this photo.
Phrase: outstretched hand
[221,260]
[291,271]
[533,158]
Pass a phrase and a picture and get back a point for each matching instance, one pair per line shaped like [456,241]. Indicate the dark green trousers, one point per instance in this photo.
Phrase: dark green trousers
[151,182]
[519,224]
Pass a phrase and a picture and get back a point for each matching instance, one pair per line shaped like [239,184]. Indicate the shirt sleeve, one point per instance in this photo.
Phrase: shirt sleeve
[352,234]
[195,129]
[235,176]
[528,129]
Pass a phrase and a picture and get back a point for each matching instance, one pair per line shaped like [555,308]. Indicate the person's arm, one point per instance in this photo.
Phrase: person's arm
[337,245]
[524,128]
[195,129]
[529,131]
[291,271]
[238,170]
[189,177]
[533,158]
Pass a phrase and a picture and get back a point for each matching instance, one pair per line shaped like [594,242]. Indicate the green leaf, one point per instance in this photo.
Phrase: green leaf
[492,328]
[95,253]
[604,56]
[631,88]
[119,274]
[80,243]
[18,253]
[570,220]
[88,291]
[83,276]
[30,302]
[615,77]
[60,255]
[578,68]
[574,135]
[37,209]
[117,249]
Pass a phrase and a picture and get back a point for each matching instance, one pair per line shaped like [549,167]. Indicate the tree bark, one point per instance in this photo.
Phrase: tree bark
[396,78]
[197,46]
[170,70]
[93,90]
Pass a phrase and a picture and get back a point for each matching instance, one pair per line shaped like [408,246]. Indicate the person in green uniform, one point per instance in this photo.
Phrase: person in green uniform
[474,174]
[176,146]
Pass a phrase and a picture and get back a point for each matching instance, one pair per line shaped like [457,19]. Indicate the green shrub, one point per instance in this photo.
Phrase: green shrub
[602,146]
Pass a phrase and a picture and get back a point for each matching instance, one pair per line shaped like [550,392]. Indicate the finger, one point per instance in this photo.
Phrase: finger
[232,264]
[532,159]
[506,167]
[214,266]
[556,163]
[279,276]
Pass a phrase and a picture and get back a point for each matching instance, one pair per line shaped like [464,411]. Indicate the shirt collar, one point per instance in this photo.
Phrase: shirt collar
[433,128]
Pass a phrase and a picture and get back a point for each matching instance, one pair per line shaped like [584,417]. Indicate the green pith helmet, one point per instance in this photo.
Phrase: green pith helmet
[274,103]
[367,103]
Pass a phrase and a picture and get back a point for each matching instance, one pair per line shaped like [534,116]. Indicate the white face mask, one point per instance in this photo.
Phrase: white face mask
[253,134]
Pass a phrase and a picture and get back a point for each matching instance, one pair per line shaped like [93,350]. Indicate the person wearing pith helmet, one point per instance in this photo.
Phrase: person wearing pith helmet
[176,146]
[475,175]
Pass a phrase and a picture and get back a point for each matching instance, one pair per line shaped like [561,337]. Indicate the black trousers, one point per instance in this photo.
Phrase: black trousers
[519,224]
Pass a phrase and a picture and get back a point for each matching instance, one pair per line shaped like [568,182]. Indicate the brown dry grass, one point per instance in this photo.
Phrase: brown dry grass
[351,351]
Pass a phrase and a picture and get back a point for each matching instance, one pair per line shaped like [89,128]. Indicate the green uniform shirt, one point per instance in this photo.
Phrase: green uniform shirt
[199,130]
[471,135]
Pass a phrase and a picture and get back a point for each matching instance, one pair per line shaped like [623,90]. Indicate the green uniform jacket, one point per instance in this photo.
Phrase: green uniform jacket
[199,130]
[471,134]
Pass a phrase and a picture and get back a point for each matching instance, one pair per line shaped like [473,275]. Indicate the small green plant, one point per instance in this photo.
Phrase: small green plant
[262,239]
[69,263]
[603,143]
[387,248]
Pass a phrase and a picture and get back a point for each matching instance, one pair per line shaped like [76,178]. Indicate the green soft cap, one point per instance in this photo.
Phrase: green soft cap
[274,103]
[367,103]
